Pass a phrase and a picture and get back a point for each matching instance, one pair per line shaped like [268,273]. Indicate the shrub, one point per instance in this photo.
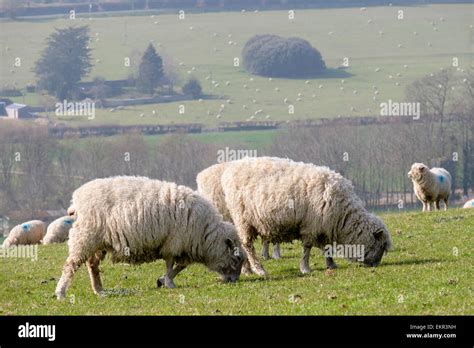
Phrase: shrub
[193,87]
[272,55]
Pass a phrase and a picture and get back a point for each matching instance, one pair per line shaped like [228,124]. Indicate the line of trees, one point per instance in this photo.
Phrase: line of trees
[40,173]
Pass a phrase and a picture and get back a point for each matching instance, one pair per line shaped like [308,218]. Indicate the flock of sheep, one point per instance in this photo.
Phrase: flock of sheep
[137,219]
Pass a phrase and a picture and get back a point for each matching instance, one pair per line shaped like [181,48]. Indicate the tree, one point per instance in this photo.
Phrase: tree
[64,61]
[272,55]
[193,87]
[150,71]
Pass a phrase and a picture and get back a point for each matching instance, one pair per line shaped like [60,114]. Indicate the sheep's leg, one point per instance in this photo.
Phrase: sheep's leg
[445,204]
[304,263]
[255,264]
[276,251]
[70,267]
[436,204]
[167,279]
[428,206]
[265,253]
[330,264]
[246,269]
[94,273]
[424,206]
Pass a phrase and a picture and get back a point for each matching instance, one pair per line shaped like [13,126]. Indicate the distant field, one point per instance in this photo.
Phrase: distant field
[442,32]
[426,273]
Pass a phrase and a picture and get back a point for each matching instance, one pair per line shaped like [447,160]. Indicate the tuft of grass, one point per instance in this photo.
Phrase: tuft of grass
[428,272]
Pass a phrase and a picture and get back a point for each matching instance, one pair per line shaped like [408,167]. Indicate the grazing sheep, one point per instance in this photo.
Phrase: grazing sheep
[430,185]
[30,232]
[139,220]
[283,200]
[58,230]
[469,204]
[209,185]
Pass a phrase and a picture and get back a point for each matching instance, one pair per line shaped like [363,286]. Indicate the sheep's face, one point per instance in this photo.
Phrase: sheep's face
[231,256]
[418,171]
[373,235]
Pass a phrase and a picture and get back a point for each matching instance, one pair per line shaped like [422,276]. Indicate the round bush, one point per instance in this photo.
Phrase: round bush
[275,56]
[193,87]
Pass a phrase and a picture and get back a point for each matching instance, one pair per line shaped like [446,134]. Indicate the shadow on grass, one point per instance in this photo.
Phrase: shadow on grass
[329,73]
[411,262]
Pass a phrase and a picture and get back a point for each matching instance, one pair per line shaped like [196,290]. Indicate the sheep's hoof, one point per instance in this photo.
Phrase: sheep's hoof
[331,265]
[266,256]
[276,256]
[260,271]
[160,282]
[60,296]
[170,285]
[305,270]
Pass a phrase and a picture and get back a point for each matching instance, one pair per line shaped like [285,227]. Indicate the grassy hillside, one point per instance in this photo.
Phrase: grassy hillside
[377,44]
[421,275]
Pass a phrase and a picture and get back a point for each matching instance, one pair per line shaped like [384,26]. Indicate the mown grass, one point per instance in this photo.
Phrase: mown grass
[422,275]
[442,32]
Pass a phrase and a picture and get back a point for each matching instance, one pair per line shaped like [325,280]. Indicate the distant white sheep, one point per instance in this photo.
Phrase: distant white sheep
[58,230]
[30,232]
[139,220]
[469,204]
[430,185]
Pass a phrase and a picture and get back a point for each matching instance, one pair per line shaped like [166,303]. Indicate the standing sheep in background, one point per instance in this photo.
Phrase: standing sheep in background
[58,230]
[210,186]
[30,232]
[430,185]
[282,200]
[469,204]
[140,220]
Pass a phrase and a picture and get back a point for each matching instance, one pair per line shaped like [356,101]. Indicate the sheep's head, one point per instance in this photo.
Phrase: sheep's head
[372,240]
[228,254]
[418,171]
[379,242]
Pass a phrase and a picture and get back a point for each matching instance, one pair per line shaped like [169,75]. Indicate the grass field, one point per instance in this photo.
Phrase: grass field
[423,274]
[429,36]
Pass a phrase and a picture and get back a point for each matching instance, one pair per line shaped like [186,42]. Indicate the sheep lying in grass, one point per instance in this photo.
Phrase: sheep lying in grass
[139,220]
[30,232]
[430,185]
[58,230]
[209,185]
[282,200]
[469,204]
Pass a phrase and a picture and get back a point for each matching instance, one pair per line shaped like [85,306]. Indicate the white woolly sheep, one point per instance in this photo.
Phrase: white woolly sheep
[209,185]
[430,185]
[140,220]
[282,200]
[30,232]
[58,230]
[469,204]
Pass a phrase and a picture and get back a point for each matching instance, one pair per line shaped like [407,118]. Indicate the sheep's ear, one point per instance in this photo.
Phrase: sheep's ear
[229,243]
[378,234]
